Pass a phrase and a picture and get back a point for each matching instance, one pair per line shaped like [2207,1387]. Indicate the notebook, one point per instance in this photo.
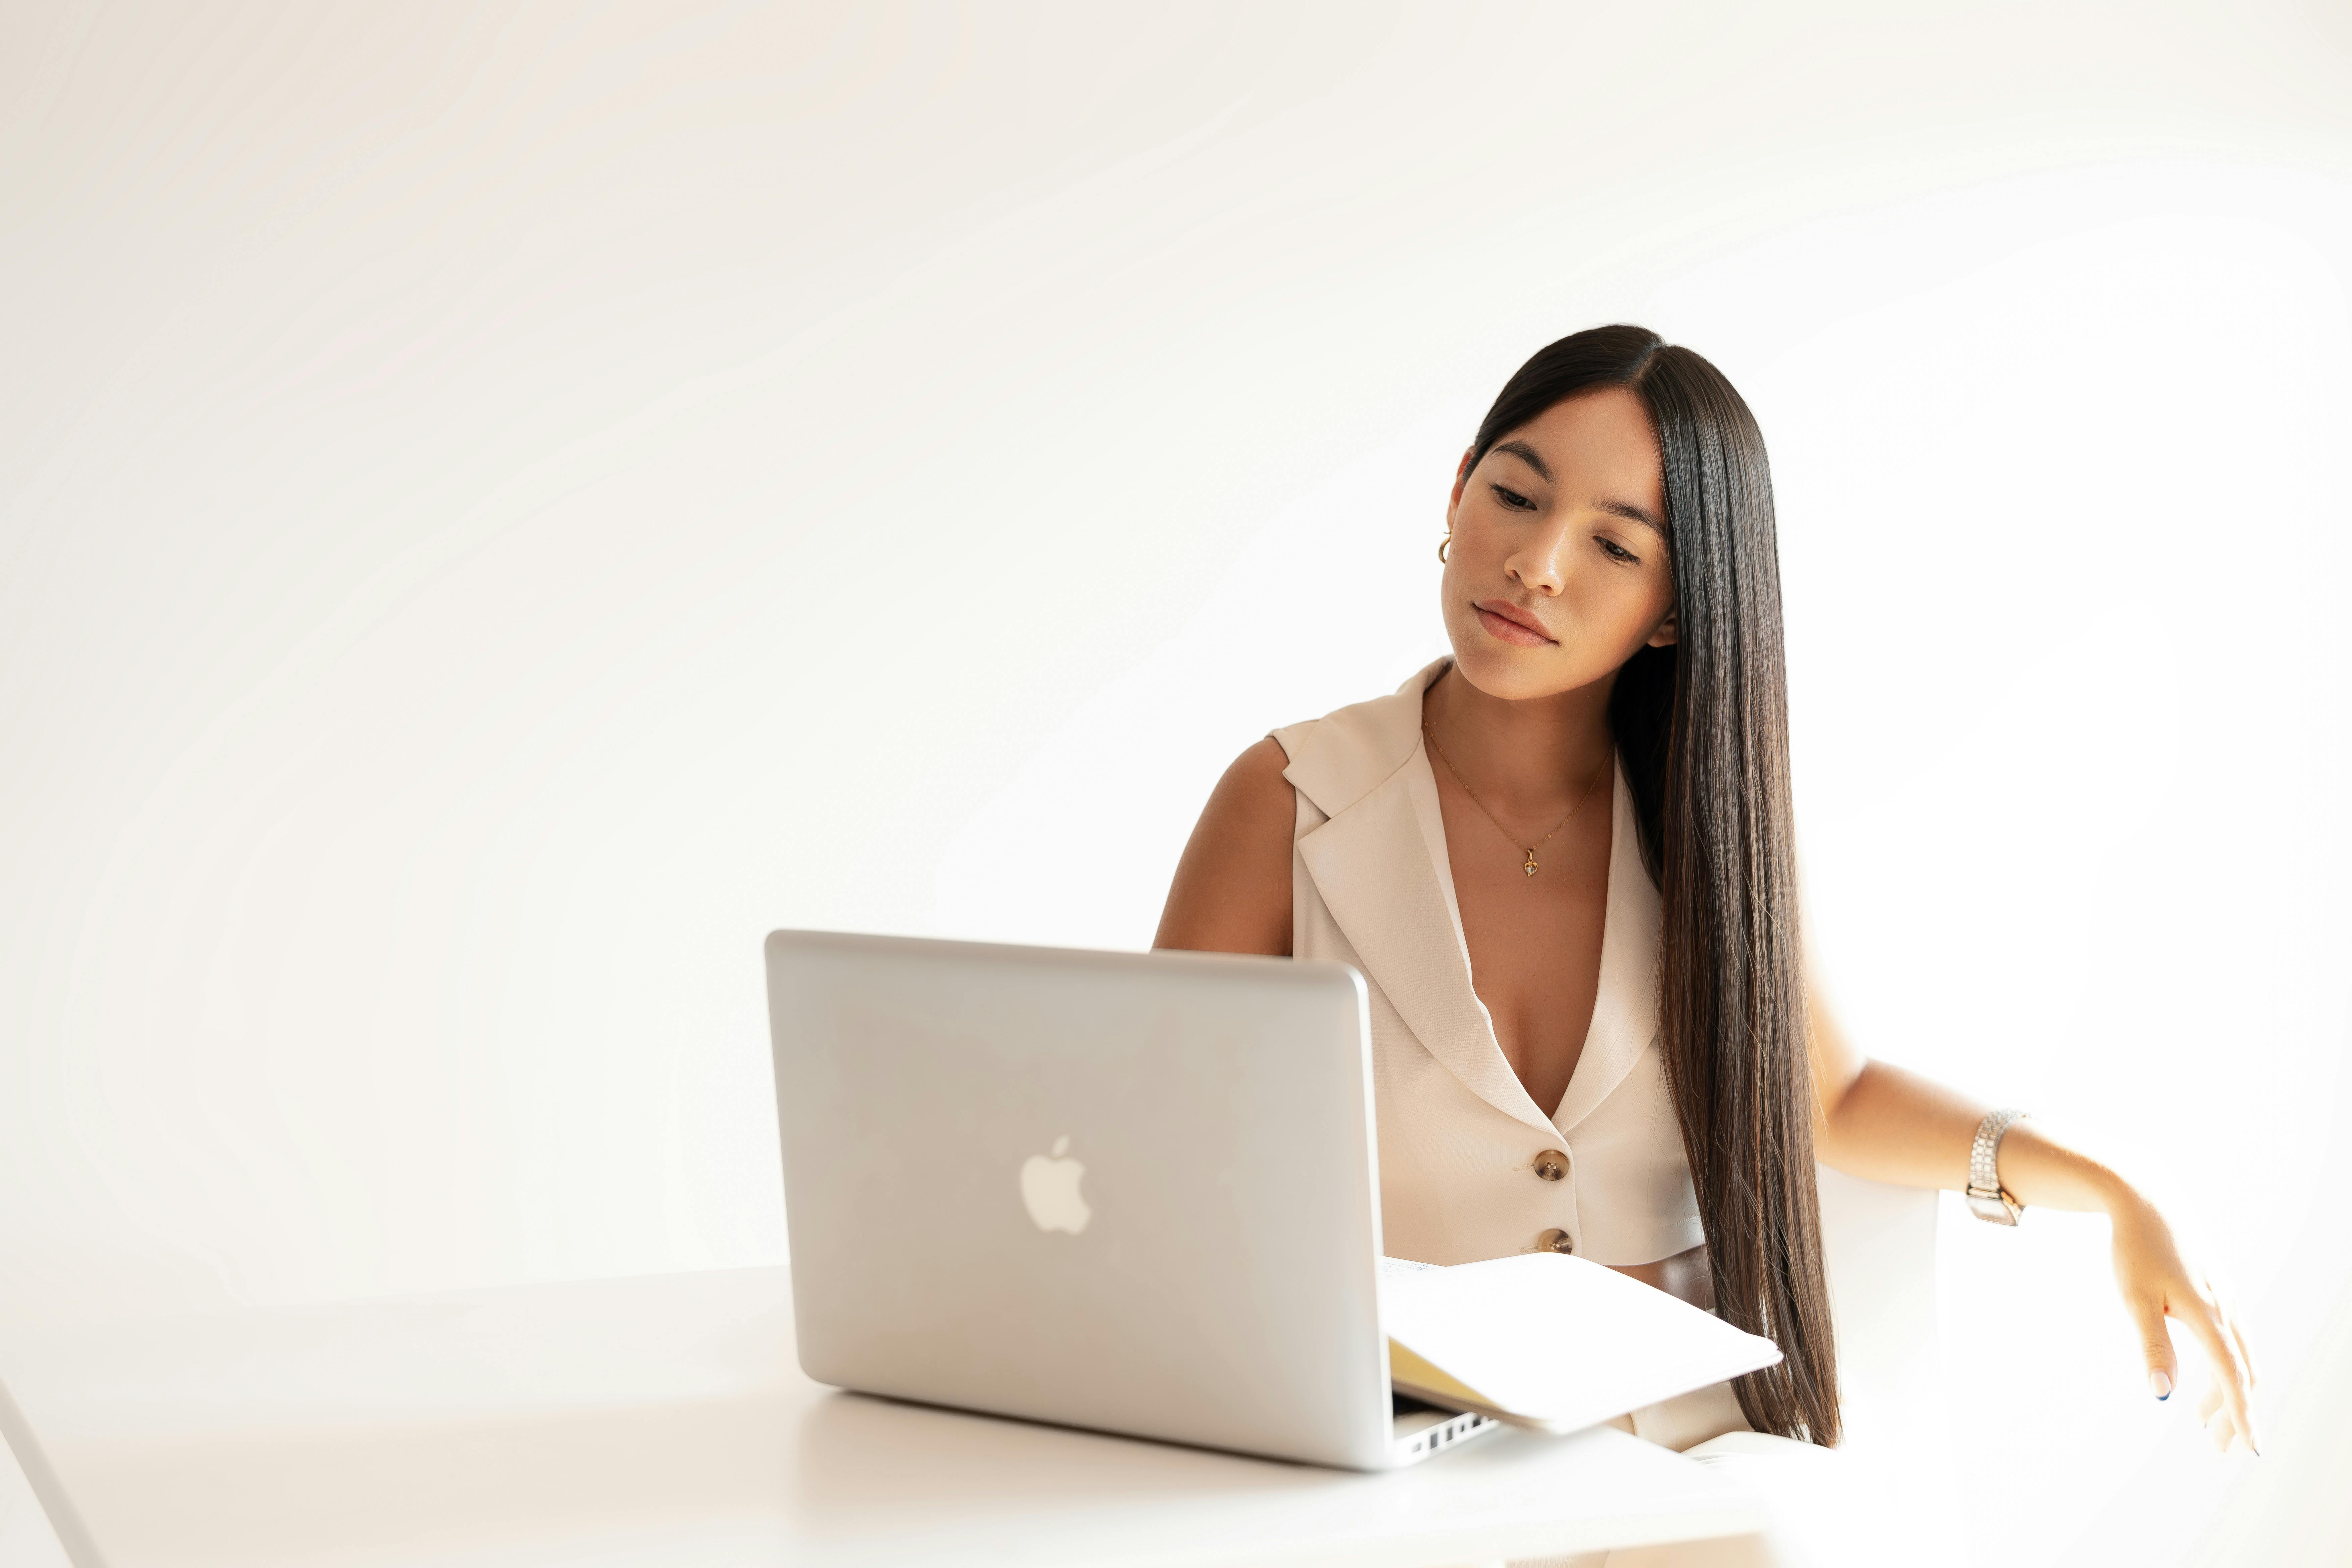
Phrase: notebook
[1550,1342]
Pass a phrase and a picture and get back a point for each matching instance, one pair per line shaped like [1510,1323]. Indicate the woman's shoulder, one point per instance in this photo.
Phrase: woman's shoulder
[1255,785]
[1231,888]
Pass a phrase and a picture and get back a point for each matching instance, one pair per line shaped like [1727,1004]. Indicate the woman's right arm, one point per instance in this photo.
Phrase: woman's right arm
[1232,891]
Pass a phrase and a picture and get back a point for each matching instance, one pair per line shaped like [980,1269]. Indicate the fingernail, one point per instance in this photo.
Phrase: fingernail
[2159,1384]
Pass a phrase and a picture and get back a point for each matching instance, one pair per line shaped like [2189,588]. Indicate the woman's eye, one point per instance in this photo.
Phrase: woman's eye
[1616,551]
[1513,499]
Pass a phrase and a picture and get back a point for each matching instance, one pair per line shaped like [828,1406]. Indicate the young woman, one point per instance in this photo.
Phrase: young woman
[1562,859]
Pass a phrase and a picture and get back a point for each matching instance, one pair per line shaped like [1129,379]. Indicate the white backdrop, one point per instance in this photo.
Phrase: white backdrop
[504,506]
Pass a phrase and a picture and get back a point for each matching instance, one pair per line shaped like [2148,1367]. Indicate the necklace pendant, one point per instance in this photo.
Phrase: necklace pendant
[1528,865]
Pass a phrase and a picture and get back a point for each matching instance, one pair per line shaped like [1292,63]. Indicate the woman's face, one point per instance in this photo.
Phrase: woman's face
[1557,571]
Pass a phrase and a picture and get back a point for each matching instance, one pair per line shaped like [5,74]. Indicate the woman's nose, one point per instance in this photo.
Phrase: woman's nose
[1538,566]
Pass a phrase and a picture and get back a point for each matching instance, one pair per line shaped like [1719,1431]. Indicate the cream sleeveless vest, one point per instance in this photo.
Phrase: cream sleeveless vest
[1459,1136]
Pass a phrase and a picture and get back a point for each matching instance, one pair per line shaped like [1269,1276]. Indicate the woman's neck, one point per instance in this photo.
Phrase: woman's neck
[1531,756]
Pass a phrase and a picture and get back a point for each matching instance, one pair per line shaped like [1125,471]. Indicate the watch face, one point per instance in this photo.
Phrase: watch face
[1997,1207]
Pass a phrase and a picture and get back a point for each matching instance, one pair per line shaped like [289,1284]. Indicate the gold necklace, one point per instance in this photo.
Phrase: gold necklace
[1527,866]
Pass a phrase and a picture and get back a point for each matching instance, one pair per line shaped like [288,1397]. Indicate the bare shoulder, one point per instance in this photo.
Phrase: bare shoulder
[1253,786]
[1231,888]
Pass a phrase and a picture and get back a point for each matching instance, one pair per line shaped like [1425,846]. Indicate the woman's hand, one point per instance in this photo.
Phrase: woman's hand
[2157,1283]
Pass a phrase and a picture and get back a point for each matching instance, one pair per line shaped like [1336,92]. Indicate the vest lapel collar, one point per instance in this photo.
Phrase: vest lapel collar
[1380,866]
[1625,1012]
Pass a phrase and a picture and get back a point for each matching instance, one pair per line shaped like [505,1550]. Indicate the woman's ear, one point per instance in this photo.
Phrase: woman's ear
[1666,634]
[1461,476]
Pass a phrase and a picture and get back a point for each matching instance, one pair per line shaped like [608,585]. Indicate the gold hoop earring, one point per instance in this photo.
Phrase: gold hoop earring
[1442,543]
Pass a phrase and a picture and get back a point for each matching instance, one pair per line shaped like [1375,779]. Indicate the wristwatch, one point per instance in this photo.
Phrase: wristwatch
[1988,1199]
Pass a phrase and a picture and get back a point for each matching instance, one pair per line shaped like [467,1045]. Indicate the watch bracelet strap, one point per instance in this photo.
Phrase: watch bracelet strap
[1984,1166]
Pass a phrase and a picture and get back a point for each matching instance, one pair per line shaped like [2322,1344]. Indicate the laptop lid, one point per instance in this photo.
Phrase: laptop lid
[52,1532]
[1132,1192]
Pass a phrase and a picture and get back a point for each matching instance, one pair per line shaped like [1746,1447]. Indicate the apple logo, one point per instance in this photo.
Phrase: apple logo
[1049,1187]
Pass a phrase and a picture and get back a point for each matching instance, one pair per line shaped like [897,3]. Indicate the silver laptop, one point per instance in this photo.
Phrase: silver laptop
[58,1536]
[1131,1192]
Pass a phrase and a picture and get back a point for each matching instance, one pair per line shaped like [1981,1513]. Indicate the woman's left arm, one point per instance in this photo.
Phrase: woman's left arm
[1879,1122]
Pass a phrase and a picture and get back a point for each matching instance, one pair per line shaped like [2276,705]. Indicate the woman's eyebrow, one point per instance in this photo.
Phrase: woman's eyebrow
[1526,454]
[1640,514]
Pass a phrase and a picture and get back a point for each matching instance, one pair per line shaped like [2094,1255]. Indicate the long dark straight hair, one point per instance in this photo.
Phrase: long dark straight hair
[1702,731]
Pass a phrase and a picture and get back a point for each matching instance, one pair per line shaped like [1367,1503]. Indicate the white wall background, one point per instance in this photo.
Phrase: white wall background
[505,504]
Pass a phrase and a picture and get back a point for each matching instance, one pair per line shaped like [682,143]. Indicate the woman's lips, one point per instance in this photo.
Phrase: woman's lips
[1506,623]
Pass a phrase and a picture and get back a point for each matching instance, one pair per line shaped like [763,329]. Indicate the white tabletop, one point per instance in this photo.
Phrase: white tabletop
[663,1420]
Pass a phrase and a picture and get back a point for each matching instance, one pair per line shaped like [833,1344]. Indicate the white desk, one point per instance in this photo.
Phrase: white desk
[664,1421]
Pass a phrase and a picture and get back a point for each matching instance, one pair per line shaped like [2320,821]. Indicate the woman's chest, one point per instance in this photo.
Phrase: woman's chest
[1534,940]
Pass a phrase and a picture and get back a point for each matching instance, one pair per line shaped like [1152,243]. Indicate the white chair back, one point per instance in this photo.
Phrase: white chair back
[1880,1243]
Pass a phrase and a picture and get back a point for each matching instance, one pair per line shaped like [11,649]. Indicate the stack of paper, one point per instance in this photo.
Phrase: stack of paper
[1548,1340]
